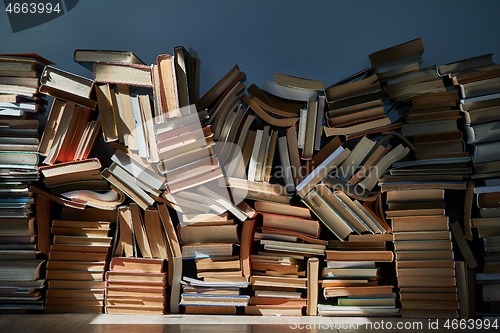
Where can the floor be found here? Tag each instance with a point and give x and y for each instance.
(88, 323)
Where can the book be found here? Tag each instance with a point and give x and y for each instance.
(122, 73)
(87, 57)
(208, 234)
(175, 258)
(342, 255)
(465, 64)
(67, 86)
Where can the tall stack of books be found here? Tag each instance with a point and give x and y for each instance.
(425, 266)
(477, 81)
(22, 262)
(78, 258)
(357, 278)
(136, 281)
(287, 238)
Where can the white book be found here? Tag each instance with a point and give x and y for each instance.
(139, 132)
(262, 154)
(252, 165)
(302, 127)
(350, 264)
(321, 168)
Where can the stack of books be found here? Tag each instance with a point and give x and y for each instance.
(480, 96)
(357, 278)
(280, 294)
(136, 285)
(218, 238)
(78, 258)
(486, 223)
(187, 155)
(397, 60)
(286, 239)
(398, 71)
(136, 281)
(402, 88)
(73, 176)
(341, 214)
(71, 132)
(433, 124)
(425, 266)
(256, 186)
(355, 106)
(213, 297)
(21, 257)
(211, 243)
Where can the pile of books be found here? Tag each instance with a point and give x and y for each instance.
(425, 266)
(21, 102)
(479, 93)
(357, 278)
(219, 296)
(78, 259)
(355, 106)
(225, 204)
(286, 239)
(486, 222)
(136, 285)
(212, 245)
(137, 278)
(433, 124)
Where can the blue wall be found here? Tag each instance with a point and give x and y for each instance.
(318, 39)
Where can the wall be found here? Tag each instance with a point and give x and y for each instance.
(318, 39)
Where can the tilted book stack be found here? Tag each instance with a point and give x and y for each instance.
(356, 107)
(22, 258)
